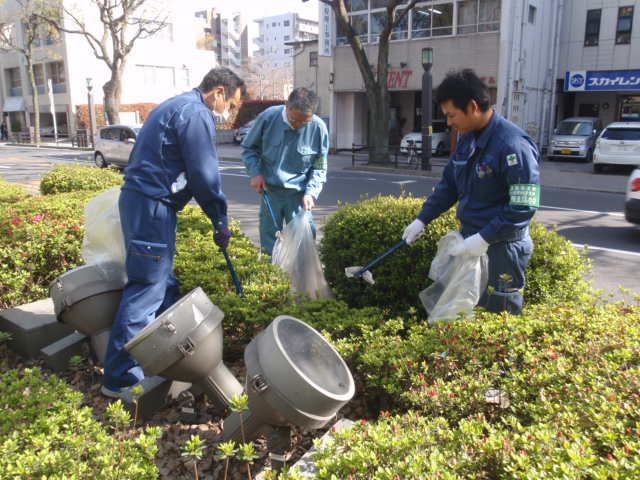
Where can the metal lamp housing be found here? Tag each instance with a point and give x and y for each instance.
(184, 343)
(87, 298)
(294, 376)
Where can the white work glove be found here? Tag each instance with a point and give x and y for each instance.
(473, 246)
(413, 231)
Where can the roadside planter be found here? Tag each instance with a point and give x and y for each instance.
(87, 299)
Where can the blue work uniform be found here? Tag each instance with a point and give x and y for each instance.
(493, 175)
(174, 159)
(293, 163)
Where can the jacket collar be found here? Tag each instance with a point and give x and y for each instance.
(482, 139)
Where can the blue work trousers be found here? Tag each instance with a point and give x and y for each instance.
(507, 264)
(286, 204)
(149, 228)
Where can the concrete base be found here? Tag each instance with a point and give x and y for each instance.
(156, 393)
(306, 466)
(32, 327)
(58, 354)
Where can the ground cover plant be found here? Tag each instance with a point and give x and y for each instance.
(72, 178)
(569, 367)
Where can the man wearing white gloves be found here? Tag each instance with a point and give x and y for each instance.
(493, 175)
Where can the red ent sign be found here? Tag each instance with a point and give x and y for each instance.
(398, 79)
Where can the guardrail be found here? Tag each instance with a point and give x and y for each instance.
(398, 158)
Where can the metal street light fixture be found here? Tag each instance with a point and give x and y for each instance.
(427, 107)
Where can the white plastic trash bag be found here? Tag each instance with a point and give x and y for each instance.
(103, 240)
(295, 252)
(458, 282)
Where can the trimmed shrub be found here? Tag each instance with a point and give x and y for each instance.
(72, 178)
(571, 375)
(40, 239)
(45, 432)
(11, 193)
(358, 233)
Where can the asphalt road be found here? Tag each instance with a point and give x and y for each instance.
(584, 217)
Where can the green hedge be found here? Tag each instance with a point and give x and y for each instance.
(46, 432)
(572, 375)
(358, 233)
(11, 193)
(72, 178)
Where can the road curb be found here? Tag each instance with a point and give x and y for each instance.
(52, 147)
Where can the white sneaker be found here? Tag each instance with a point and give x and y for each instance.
(107, 392)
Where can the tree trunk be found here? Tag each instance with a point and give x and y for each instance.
(34, 96)
(378, 126)
(112, 96)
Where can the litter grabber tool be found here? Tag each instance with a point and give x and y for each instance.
(363, 272)
(278, 243)
(234, 275)
(267, 202)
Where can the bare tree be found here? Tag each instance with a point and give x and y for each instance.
(122, 24)
(264, 80)
(26, 15)
(375, 80)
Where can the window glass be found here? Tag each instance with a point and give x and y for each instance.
(575, 128)
(489, 16)
(468, 16)
(442, 19)
(378, 22)
(592, 29)
(621, 134)
(421, 22)
(356, 5)
(361, 25)
(625, 25)
(401, 30)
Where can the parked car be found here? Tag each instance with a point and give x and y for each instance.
(618, 144)
(241, 132)
(575, 138)
(114, 144)
(440, 141)
(632, 201)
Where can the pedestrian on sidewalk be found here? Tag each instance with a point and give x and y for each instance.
(285, 153)
(4, 133)
(493, 175)
(174, 159)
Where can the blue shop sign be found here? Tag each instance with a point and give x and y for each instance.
(586, 81)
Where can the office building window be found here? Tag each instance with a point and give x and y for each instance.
(624, 26)
(286, 23)
(356, 5)
(378, 23)
(360, 24)
(532, 14)
(14, 85)
(401, 30)
(38, 73)
(313, 59)
(55, 71)
(592, 29)
(287, 51)
(286, 38)
(432, 20)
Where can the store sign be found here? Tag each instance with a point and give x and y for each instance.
(398, 78)
(325, 30)
(583, 80)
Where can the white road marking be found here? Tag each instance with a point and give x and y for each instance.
(617, 214)
(612, 250)
(403, 182)
(244, 175)
(3, 166)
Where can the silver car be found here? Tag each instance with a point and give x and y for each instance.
(114, 144)
(575, 137)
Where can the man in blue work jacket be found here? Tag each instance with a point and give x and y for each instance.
(174, 159)
(493, 175)
(285, 153)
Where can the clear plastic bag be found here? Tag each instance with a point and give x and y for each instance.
(295, 252)
(103, 241)
(458, 282)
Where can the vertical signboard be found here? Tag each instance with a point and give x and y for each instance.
(326, 26)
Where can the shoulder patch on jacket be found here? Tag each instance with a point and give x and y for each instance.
(512, 159)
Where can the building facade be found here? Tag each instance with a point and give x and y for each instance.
(157, 68)
(525, 50)
(274, 34)
(599, 62)
(227, 36)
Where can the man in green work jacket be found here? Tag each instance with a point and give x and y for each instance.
(285, 154)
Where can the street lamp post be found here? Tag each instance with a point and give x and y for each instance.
(427, 107)
(92, 112)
